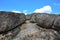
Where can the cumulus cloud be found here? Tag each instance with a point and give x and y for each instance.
(45, 9)
(16, 11)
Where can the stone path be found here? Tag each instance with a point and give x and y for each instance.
(30, 31)
(26, 29)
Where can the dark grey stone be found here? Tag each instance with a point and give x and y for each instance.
(45, 20)
(9, 20)
(11, 34)
(33, 16)
(56, 24)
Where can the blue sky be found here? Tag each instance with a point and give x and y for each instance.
(29, 6)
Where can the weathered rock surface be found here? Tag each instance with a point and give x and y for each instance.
(47, 20)
(28, 17)
(10, 35)
(10, 29)
(33, 17)
(56, 24)
(34, 32)
(9, 20)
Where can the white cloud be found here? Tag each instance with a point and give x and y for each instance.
(25, 12)
(45, 9)
(16, 11)
(56, 4)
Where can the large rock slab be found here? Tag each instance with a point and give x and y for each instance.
(10, 20)
(34, 32)
(48, 20)
(45, 20)
(10, 34)
(56, 24)
(33, 17)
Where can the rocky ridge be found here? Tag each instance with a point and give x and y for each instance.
(37, 26)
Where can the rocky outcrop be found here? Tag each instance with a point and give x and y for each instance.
(32, 18)
(10, 24)
(10, 34)
(34, 32)
(56, 24)
(11, 28)
(28, 17)
(10, 20)
(47, 20)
